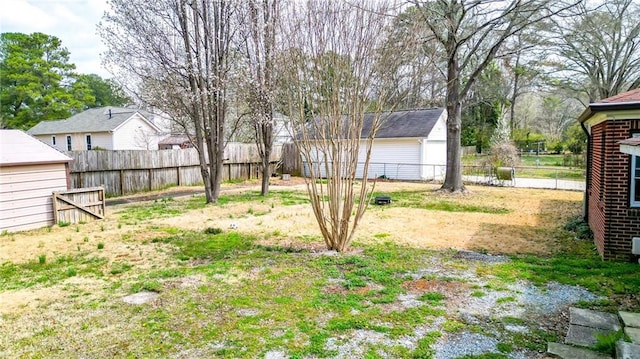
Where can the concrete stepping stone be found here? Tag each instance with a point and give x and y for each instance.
(569, 352)
(626, 350)
(630, 319)
(140, 298)
(594, 319)
(584, 336)
(633, 333)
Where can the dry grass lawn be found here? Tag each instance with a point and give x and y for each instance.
(528, 227)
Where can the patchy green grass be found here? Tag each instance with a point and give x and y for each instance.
(578, 265)
(434, 202)
(168, 207)
(50, 272)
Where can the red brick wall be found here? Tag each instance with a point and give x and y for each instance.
(613, 222)
(596, 187)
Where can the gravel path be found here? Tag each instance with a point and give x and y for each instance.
(537, 308)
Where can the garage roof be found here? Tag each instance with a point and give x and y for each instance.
(404, 123)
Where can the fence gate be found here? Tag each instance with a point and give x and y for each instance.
(79, 205)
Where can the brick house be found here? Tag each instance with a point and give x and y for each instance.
(612, 197)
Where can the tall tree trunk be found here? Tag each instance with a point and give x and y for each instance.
(514, 96)
(265, 154)
(453, 177)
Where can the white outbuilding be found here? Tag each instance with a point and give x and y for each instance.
(30, 171)
(409, 145)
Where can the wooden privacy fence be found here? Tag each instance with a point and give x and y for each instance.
(127, 172)
(78, 205)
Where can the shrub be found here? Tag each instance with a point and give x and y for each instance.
(504, 154)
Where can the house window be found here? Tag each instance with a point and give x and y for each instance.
(53, 140)
(635, 178)
(88, 142)
(68, 143)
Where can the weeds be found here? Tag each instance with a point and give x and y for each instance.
(606, 343)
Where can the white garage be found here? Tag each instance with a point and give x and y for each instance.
(410, 145)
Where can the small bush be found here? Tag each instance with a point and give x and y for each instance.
(100, 245)
(504, 154)
(580, 228)
(42, 259)
(213, 230)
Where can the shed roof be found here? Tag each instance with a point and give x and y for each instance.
(174, 140)
(101, 119)
(414, 123)
(18, 148)
(404, 123)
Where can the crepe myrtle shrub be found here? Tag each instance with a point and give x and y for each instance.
(331, 63)
(504, 154)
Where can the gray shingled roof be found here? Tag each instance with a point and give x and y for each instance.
(404, 123)
(416, 123)
(91, 120)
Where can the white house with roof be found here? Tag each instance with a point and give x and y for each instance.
(30, 171)
(109, 128)
(409, 145)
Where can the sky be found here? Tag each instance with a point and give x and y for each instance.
(72, 21)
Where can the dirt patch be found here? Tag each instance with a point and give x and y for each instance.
(446, 288)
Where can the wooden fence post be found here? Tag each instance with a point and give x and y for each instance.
(122, 182)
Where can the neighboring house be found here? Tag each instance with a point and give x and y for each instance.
(612, 206)
(109, 128)
(175, 142)
(410, 145)
(30, 171)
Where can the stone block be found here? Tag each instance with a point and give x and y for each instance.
(633, 333)
(626, 350)
(630, 319)
(568, 352)
(584, 336)
(594, 319)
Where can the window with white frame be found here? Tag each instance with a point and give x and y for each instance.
(88, 142)
(68, 142)
(53, 140)
(635, 179)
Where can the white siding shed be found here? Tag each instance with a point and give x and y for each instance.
(410, 145)
(30, 171)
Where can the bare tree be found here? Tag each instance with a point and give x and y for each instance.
(472, 34)
(419, 77)
(182, 49)
(332, 61)
(600, 49)
(259, 35)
